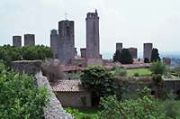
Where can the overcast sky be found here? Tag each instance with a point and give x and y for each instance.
(132, 22)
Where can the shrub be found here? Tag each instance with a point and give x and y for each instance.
(136, 74)
(158, 68)
(144, 107)
(20, 98)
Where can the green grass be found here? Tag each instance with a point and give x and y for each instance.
(140, 71)
(90, 113)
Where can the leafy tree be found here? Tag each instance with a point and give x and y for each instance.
(155, 55)
(99, 80)
(116, 57)
(19, 97)
(125, 57)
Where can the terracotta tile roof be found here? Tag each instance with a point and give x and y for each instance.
(68, 86)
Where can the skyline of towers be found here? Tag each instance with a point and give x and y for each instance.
(92, 35)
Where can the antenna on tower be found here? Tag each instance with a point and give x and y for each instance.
(65, 16)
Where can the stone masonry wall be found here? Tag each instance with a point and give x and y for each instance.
(54, 110)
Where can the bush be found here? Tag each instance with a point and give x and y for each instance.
(158, 68)
(20, 98)
(144, 107)
(136, 74)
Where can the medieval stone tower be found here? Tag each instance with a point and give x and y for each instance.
(147, 50)
(66, 37)
(62, 42)
(92, 36)
(29, 39)
(54, 42)
(17, 42)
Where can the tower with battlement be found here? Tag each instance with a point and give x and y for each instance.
(17, 41)
(92, 35)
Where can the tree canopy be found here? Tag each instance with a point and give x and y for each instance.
(10, 53)
(123, 57)
(155, 55)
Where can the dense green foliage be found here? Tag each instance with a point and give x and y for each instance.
(158, 68)
(99, 80)
(123, 57)
(144, 107)
(10, 53)
(155, 55)
(19, 96)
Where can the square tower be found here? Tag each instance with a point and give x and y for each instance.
(147, 50)
(17, 42)
(54, 42)
(66, 51)
(92, 36)
(29, 39)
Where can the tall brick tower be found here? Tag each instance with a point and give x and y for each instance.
(92, 36)
(66, 41)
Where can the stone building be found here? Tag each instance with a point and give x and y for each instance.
(17, 41)
(92, 36)
(62, 42)
(29, 39)
(147, 51)
(133, 52)
(119, 46)
(72, 94)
